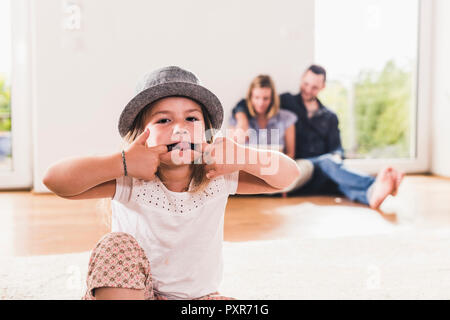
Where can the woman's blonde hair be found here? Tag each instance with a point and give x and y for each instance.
(199, 179)
(263, 81)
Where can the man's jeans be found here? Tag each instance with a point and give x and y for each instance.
(331, 176)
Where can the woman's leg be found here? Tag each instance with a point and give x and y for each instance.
(118, 269)
(306, 168)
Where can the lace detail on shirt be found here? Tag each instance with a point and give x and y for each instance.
(153, 194)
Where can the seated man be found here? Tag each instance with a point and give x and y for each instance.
(318, 140)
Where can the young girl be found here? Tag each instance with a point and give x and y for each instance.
(169, 189)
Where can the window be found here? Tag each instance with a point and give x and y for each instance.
(15, 95)
(370, 50)
(5, 86)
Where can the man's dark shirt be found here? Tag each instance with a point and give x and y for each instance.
(314, 136)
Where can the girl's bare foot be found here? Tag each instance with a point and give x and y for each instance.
(384, 185)
(398, 177)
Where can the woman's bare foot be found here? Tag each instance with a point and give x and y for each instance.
(398, 177)
(384, 185)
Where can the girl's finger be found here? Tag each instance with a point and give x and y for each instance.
(206, 147)
(142, 138)
(159, 149)
(211, 174)
(207, 154)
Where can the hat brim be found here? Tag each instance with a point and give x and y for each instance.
(189, 90)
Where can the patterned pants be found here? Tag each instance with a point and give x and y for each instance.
(118, 261)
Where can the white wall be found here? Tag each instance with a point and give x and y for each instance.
(83, 79)
(440, 124)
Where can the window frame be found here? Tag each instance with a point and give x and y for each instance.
(420, 161)
(20, 177)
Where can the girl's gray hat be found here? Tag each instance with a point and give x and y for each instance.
(167, 82)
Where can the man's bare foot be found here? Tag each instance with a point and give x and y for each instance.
(384, 185)
(398, 178)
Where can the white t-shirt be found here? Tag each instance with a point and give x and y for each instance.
(180, 232)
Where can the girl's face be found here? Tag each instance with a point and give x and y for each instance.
(261, 98)
(176, 120)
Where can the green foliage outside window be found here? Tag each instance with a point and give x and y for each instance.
(374, 112)
(5, 105)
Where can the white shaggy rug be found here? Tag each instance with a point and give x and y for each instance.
(380, 262)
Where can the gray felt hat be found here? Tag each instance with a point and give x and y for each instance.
(166, 82)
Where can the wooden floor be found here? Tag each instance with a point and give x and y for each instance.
(38, 224)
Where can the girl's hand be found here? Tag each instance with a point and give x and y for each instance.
(238, 135)
(221, 157)
(142, 161)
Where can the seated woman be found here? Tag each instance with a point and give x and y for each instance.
(269, 126)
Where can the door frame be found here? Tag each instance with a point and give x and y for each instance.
(421, 136)
(21, 175)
